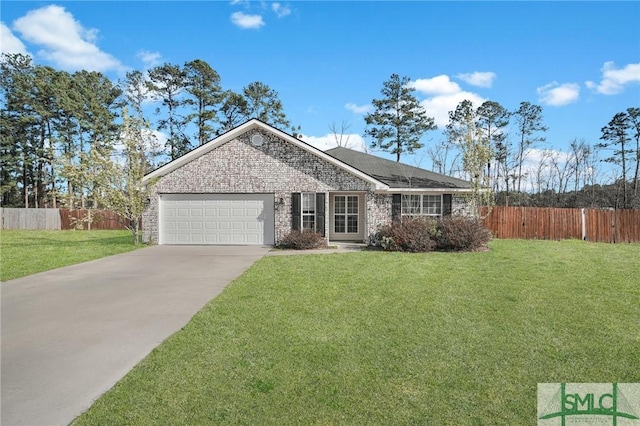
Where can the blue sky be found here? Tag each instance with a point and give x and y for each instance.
(579, 60)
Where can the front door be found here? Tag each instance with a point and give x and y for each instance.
(347, 218)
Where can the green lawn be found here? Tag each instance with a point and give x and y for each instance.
(390, 338)
(28, 252)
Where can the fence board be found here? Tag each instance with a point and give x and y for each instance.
(611, 226)
(100, 219)
(20, 218)
(600, 226)
(14, 218)
(627, 226)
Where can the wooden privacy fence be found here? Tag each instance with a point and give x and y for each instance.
(61, 219)
(547, 223)
(89, 219)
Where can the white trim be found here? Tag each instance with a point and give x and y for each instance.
(421, 214)
(425, 190)
(160, 201)
(302, 211)
(257, 124)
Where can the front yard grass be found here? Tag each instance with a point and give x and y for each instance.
(391, 338)
(26, 252)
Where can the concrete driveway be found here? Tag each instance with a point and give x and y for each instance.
(70, 334)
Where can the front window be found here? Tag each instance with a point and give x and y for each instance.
(309, 211)
(421, 205)
(345, 214)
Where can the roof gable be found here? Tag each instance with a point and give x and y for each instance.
(255, 124)
(397, 175)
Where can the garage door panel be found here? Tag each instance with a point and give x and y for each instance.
(217, 219)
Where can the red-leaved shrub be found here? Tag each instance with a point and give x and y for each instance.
(302, 240)
(412, 235)
(459, 233)
(451, 233)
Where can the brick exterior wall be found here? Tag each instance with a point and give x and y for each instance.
(276, 167)
(459, 206)
(379, 213)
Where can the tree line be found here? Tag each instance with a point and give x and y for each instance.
(81, 140)
(503, 154)
(64, 134)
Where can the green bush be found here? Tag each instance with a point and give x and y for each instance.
(418, 235)
(302, 240)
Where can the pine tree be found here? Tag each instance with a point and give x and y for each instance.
(398, 121)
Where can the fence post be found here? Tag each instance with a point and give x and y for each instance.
(584, 224)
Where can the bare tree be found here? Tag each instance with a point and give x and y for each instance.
(541, 179)
(562, 167)
(340, 135)
(579, 152)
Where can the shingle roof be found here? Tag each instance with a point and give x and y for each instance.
(394, 174)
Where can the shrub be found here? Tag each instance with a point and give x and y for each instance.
(302, 240)
(451, 233)
(383, 238)
(412, 235)
(459, 233)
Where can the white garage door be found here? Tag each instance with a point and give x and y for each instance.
(216, 219)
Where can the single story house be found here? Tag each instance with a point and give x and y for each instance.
(255, 183)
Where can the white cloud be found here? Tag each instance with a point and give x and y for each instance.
(614, 79)
(280, 10)
(328, 141)
(150, 59)
(443, 95)
(64, 41)
(556, 94)
(358, 109)
(439, 85)
(480, 79)
(9, 43)
(245, 21)
(439, 106)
